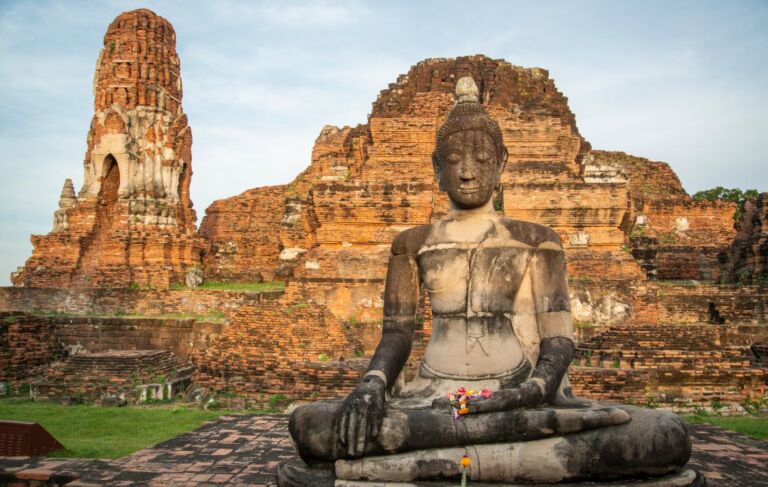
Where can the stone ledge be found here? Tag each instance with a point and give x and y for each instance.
(684, 478)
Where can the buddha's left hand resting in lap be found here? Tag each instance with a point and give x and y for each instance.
(500, 321)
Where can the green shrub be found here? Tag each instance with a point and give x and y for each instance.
(651, 402)
(276, 401)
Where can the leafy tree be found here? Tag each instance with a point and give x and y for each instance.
(727, 194)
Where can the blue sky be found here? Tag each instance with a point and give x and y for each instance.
(679, 81)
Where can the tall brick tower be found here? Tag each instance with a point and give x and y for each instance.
(132, 221)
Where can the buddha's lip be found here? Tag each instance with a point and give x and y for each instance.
(468, 189)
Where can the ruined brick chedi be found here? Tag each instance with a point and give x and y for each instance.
(132, 220)
(332, 226)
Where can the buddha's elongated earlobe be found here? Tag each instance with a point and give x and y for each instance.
(436, 166)
(503, 162)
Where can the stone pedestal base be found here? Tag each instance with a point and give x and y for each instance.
(684, 478)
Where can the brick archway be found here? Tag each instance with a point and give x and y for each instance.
(110, 182)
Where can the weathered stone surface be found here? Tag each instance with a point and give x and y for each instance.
(132, 221)
(678, 382)
(66, 201)
(747, 258)
(194, 277)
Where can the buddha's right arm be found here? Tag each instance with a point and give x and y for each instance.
(360, 416)
(401, 296)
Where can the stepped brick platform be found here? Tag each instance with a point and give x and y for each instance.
(115, 372)
(683, 366)
(246, 450)
(693, 302)
(29, 343)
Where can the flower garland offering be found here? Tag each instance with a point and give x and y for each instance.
(461, 398)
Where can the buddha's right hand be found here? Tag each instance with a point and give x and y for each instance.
(527, 395)
(360, 416)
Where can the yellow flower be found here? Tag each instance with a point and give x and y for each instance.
(465, 461)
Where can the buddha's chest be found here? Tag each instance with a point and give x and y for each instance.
(473, 278)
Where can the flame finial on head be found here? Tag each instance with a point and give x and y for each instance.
(466, 90)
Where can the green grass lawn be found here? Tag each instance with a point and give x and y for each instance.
(754, 426)
(102, 432)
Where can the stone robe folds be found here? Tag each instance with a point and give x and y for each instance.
(493, 299)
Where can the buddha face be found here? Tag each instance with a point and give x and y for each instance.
(469, 168)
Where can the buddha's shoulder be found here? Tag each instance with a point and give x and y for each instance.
(410, 241)
(531, 233)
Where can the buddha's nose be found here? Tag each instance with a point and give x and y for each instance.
(466, 173)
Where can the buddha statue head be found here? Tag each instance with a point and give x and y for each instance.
(469, 155)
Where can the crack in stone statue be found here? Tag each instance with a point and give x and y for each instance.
(501, 320)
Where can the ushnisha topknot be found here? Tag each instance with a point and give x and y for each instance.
(468, 114)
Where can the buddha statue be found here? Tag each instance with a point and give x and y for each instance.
(501, 323)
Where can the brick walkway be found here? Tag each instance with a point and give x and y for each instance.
(245, 450)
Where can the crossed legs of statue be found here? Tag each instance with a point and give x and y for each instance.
(528, 445)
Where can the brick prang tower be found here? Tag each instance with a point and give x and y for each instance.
(132, 222)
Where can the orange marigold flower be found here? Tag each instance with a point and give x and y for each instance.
(463, 410)
(465, 461)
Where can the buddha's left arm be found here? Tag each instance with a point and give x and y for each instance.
(553, 315)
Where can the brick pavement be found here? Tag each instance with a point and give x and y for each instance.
(243, 449)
